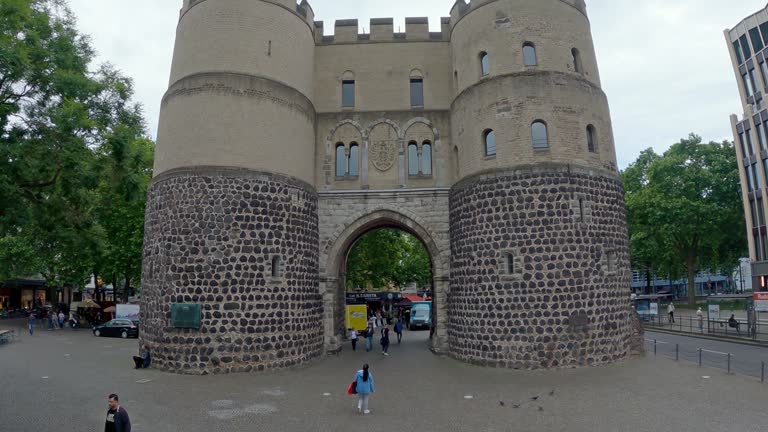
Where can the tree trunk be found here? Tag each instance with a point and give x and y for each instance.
(127, 287)
(690, 262)
(648, 288)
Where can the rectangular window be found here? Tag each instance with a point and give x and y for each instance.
(750, 146)
(756, 173)
(760, 212)
(348, 94)
(761, 136)
(757, 42)
(764, 31)
(748, 85)
(581, 210)
(764, 247)
(750, 178)
(511, 264)
(745, 47)
(739, 53)
(417, 92)
(753, 79)
(764, 70)
(743, 145)
(753, 208)
(765, 167)
(758, 249)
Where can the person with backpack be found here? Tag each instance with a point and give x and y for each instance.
(363, 387)
(385, 340)
(399, 331)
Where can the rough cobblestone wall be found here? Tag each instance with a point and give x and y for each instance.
(566, 304)
(211, 236)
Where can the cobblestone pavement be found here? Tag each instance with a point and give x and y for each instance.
(60, 380)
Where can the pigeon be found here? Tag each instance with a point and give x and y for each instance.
(501, 403)
(515, 406)
(552, 393)
(535, 398)
(541, 409)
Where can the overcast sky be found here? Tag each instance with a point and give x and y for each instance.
(664, 63)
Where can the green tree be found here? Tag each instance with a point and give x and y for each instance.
(388, 257)
(685, 210)
(58, 123)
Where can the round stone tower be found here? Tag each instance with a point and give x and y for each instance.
(539, 253)
(232, 219)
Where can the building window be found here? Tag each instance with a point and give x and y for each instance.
(591, 139)
(348, 93)
(750, 146)
(489, 139)
(581, 210)
(413, 159)
(529, 54)
(753, 208)
(764, 71)
(456, 165)
(743, 145)
(756, 173)
(511, 267)
(750, 179)
(426, 158)
(485, 64)
(539, 135)
(745, 47)
(341, 160)
(757, 42)
(747, 85)
(760, 128)
(417, 92)
(764, 31)
(739, 53)
(577, 66)
(765, 168)
(277, 271)
(760, 213)
(354, 160)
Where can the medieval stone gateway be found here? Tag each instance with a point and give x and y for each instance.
(279, 146)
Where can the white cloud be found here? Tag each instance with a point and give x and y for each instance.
(664, 63)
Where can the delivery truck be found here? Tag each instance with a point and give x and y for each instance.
(421, 316)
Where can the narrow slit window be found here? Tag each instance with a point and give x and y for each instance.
(341, 160)
(417, 92)
(511, 268)
(485, 64)
(581, 210)
(577, 66)
(489, 138)
(529, 54)
(354, 160)
(591, 139)
(276, 270)
(539, 135)
(413, 159)
(348, 94)
(426, 158)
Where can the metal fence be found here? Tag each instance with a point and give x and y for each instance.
(756, 330)
(729, 362)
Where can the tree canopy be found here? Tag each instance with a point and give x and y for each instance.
(74, 158)
(388, 257)
(684, 209)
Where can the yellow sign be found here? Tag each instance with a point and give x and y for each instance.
(357, 317)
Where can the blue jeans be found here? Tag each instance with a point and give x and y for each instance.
(368, 343)
(31, 329)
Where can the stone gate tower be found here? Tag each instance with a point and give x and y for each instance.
(279, 146)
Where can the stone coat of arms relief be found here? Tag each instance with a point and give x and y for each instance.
(382, 154)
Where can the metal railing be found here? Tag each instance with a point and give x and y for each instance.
(732, 364)
(756, 331)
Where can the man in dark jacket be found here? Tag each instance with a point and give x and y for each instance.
(117, 417)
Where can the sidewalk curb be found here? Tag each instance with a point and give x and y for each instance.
(707, 337)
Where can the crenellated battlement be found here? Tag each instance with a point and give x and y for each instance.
(382, 30)
(461, 8)
(302, 9)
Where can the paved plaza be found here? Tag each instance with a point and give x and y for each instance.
(62, 378)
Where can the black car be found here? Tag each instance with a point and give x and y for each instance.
(117, 328)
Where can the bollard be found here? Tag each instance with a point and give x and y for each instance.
(654, 347)
(677, 352)
(762, 372)
(729, 363)
(699, 357)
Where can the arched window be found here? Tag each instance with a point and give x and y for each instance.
(529, 54)
(341, 160)
(348, 90)
(426, 158)
(417, 88)
(485, 64)
(577, 66)
(413, 159)
(489, 138)
(539, 135)
(354, 160)
(591, 139)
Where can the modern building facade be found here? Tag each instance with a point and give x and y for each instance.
(748, 46)
(489, 140)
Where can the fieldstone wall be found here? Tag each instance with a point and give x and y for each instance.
(565, 302)
(211, 236)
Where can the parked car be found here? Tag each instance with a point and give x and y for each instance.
(117, 328)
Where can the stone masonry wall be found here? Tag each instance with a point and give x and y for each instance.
(566, 301)
(211, 236)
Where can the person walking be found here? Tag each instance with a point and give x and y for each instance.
(117, 416)
(700, 316)
(364, 387)
(369, 332)
(385, 340)
(353, 338)
(61, 319)
(31, 321)
(399, 331)
(671, 312)
(50, 321)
